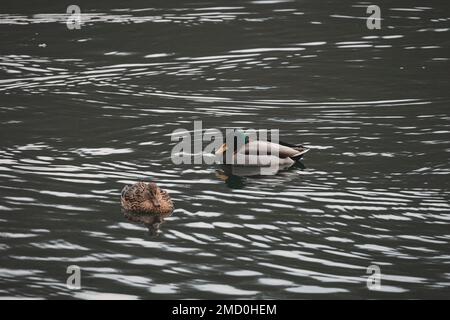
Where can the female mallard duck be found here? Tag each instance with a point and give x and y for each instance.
(146, 198)
(258, 153)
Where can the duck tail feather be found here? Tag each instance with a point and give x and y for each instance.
(299, 155)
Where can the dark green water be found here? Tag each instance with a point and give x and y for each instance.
(84, 112)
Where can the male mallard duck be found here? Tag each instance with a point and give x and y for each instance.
(146, 198)
(260, 153)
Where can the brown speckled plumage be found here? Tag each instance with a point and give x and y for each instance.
(146, 198)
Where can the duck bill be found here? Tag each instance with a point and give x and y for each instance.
(222, 149)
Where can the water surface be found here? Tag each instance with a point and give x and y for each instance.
(84, 112)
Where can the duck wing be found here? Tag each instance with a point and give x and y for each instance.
(135, 193)
(166, 208)
(267, 147)
(133, 197)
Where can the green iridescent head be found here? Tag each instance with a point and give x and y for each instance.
(241, 136)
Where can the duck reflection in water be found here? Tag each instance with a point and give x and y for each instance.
(147, 204)
(152, 221)
(235, 177)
